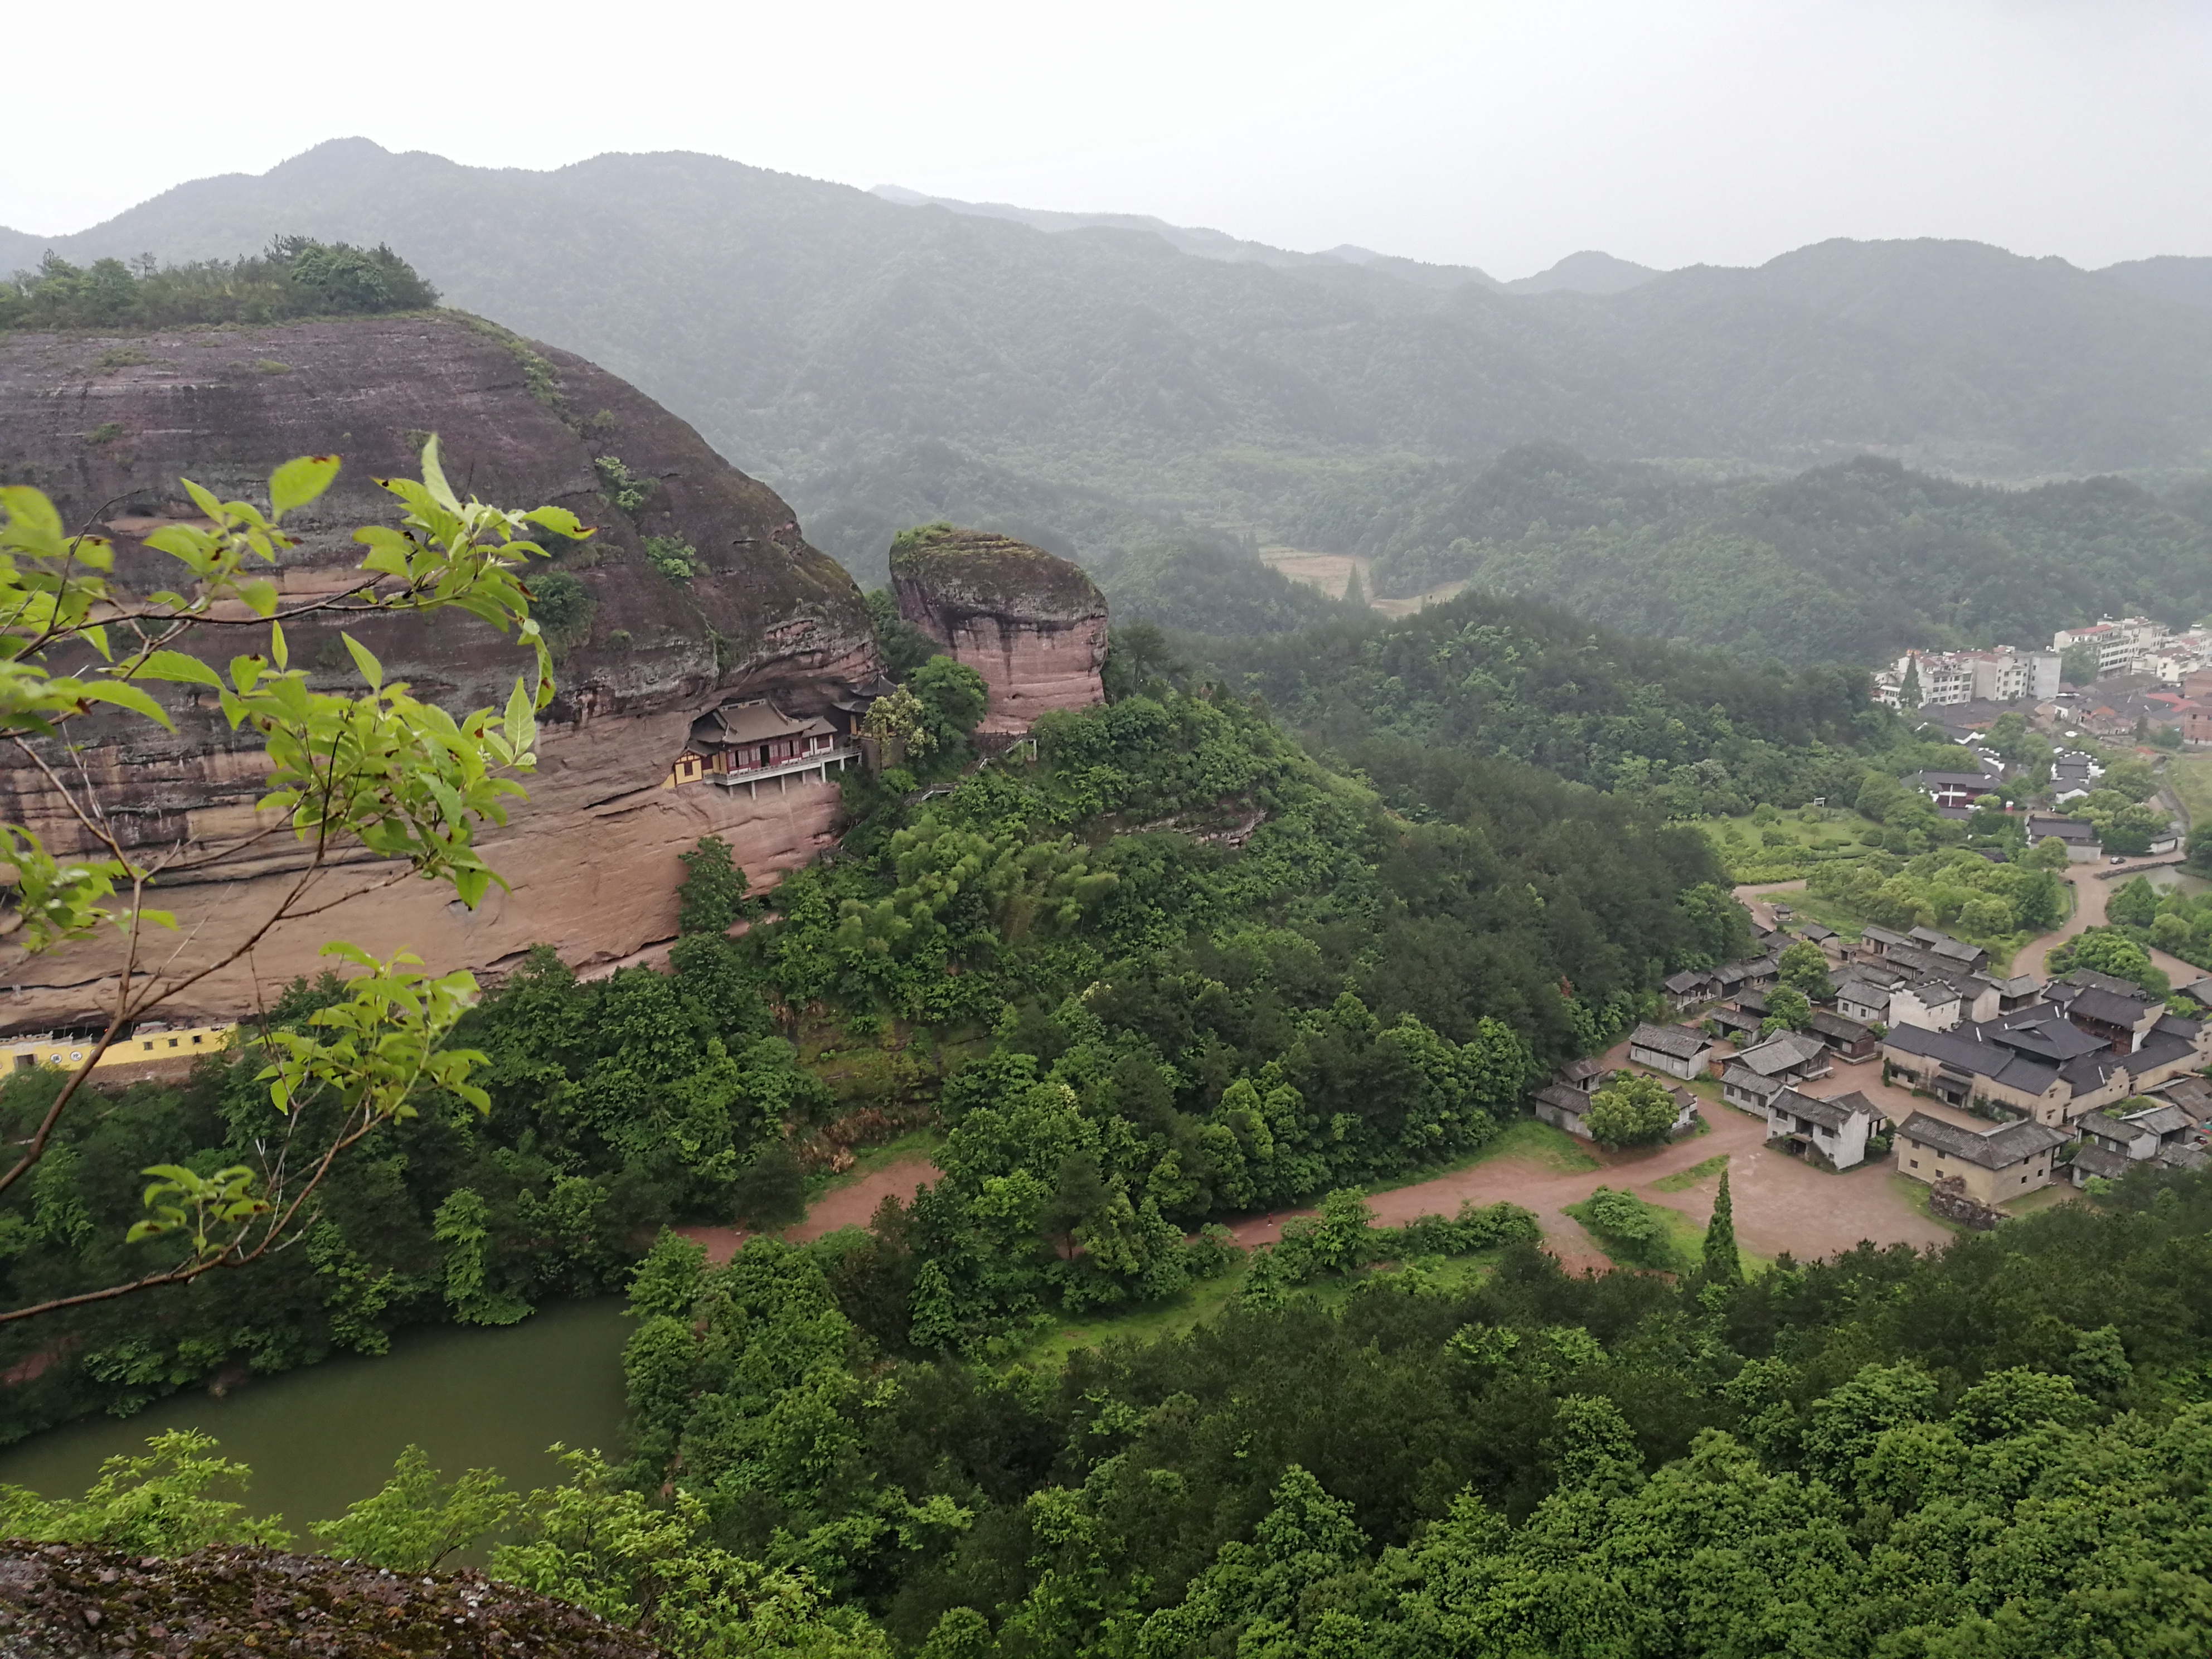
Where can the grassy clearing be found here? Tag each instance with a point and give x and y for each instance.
(1202, 1303)
(1192, 1307)
(2191, 776)
(1670, 1245)
(1682, 1180)
(1914, 1194)
(1524, 1138)
(2043, 1198)
(1796, 847)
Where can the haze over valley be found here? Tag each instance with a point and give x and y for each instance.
(1228, 832)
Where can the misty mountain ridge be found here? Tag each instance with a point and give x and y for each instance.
(1102, 390)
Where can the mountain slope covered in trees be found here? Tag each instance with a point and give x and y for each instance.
(1854, 561)
(885, 365)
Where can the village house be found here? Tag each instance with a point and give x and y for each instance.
(2040, 1062)
(1862, 994)
(2159, 1133)
(1741, 1086)
(1760, 973)
(1831, 1134)
(1792, 1056)
(1691, 988)
(2191, 1093)
(1847, 1039)
(1674, 1049)
(1937, 1002)
(1956, 788)
(2079, 838)
(1737, 1025)
(1564, 1102)
(2113, 1010)
(2001, 1163)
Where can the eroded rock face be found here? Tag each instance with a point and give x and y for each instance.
(1032, 624)
(59, 1600)
(107, 425)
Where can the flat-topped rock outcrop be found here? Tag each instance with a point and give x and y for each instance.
(1033, 624)
(107, 425)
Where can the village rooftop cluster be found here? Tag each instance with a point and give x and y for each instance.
(1987, 1087)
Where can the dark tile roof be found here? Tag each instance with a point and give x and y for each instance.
(2108, 1009)
(1742, 1076)
(1576, 1071)
(2092, 1159)
(1566, 1099)
(1999, 1148)
(1785, 1051)
(1828, 1113)
(1689, 980)
(1962, 1050)
(1829, 1024)
(1675, 1041)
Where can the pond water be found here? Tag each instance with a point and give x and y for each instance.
(2170, 878)
(319, 1438)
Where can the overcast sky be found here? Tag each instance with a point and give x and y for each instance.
(1501, 135)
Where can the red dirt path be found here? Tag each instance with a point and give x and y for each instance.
(842, 1207)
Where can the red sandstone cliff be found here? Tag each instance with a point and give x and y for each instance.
(1032, 624)
(107, 425)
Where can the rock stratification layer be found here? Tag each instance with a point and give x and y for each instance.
(107, 425)
(1032, 624)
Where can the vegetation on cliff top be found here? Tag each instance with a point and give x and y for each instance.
(294, 277)
(985, 571)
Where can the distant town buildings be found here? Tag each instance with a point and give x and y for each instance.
(2000, 674)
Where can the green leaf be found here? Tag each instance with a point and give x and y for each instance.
(561, 521)
(176, 665)
(297, 482)
(260, 596)
(31, 510)
(433, 477)
(277, 647)
(129, 697)
(371, 670)
(203, 499)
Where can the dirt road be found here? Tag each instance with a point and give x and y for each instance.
(849, 1206)
(1780, 1203)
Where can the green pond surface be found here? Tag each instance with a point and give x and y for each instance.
(2169, 878)
(319, 1438)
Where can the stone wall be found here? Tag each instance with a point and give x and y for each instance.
(1949, 1200)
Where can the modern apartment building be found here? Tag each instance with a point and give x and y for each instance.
(2001, 674)
(2120, 645)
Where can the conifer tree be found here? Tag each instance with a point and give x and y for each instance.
(1722, 1265)
(1355, 591)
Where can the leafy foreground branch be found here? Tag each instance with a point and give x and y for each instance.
(377, 771)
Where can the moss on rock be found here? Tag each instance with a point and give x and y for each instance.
(974, 572)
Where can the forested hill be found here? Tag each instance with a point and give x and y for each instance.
(885, 365)
(1488, 675)
(1853, 562)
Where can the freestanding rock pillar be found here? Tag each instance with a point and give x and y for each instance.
(1031, 624)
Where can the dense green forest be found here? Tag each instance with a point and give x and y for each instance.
(1995, 1452)
(296, 276)
(1172, 969)
(883, 366)
(1848, 563)
(1143, 1028)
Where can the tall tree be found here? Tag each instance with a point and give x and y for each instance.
(1722, 1265)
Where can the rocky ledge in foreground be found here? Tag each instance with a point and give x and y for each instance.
(58, 1601)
